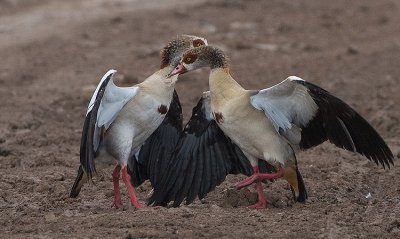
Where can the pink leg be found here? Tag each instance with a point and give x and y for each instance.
(117, 193)
(257, 176)
(130, 189)
(262, 202)
(256, 170)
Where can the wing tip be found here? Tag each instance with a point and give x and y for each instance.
(108, 74)
(387, 159)
(111, 71)
(294, 78)
(81, 178)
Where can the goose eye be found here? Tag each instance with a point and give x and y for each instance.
(189, 58)
(198, 43)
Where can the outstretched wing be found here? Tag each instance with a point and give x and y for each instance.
(201, 161)
(104, 106)
(308, 115)
(155, 153)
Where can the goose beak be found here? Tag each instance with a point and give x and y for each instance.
(179, 69)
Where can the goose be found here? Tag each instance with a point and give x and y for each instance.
(267, 125)
(124, 124)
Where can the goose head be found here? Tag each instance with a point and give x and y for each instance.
(172, 52)
(204, 56)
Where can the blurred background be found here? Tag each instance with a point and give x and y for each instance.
(53, 54)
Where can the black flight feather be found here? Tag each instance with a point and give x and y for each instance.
(158, 148)
(87, 150)
(202, 159)
(343, 126)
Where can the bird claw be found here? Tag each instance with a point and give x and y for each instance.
(258, 205)
(138, 205)
(117, 205)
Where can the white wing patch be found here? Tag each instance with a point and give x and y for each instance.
(285, 104)
(113, 100)
(93, 99)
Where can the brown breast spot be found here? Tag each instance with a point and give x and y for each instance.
(218, 117)
(163, 109)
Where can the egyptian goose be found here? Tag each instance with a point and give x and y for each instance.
(267, 125)
(125, 123)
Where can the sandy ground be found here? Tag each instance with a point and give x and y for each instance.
(53, 54)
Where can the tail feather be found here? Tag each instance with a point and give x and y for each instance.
(302, 195)
(81, 178)
(294, 178)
